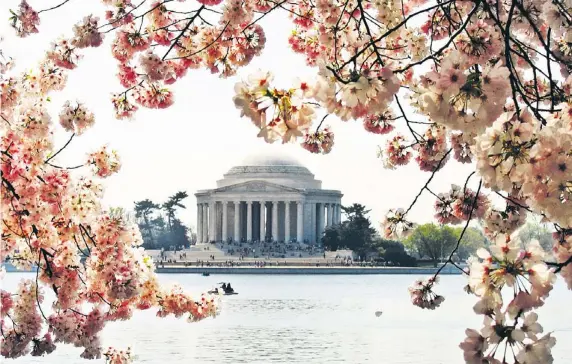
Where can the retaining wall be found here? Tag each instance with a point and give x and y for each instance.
(306, 270)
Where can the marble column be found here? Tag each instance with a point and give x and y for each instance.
(212, 223)
(313, 222)
(275, 220)
(249, 221)
(300, 221)
(205, 230)
(330, 214)
(320, 223)
(236, 220)
(262, 221)
(336, 209)
(224, 221)
(205, 222)
(287, 221)
(335, 215)
(339, 214)
(199, 223)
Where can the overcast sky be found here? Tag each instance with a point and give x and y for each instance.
(190, 145)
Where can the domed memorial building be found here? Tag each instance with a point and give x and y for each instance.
(267, 197)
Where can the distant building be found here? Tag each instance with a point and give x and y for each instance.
(267, 197)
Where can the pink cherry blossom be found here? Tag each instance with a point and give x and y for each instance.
(25, 20)
(76, 118)
(471, 83)
(87, 34)
(379, 123)
(105, 164)
(423, 296)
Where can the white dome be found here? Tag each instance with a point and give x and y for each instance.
(271, 166)
(266, 159)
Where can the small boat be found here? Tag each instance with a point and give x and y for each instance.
(206, 274)
(216, 291)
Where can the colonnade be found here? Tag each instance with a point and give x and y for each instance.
(278, 220)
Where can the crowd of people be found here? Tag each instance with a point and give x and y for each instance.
(256, 254)
(269, 249)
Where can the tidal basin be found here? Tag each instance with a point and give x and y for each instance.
(312, 319)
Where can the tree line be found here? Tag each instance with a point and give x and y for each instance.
(429, 242)
(159, 224)
(357, 234)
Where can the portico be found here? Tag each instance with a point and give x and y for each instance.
(267, 198)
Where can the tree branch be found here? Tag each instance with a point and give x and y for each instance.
(55, 7)
(183, 31)
(62, 148)
(473, 207)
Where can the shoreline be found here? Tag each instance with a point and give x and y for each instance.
(305, 270)
(290, 270)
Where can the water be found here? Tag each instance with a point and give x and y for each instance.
(313, 319)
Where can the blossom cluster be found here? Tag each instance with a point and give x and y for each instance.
(461, 98)
(76, 117)
(516, 151)
(114, 356)
(489, 85)
(513, 325)
(221, 48)
(279, 114)
(104, 163)
(563, 254)
(53, 220)
(422, 294)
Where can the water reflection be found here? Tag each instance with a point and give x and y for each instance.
(313, 320)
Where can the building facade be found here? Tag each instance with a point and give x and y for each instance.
(271, 198)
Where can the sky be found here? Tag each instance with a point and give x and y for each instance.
(190, 145)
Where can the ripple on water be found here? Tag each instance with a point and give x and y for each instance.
(312, 320)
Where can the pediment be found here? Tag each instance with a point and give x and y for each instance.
(256, 186)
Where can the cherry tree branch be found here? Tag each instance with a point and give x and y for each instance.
(473, 208)
(37, 289)
(206, 46)
(277, 4)
(425, 187)
(55, 7)
(391, 30)
(560, 266)
(176, 40)
(62, 148)
(321, 121)
(60, 167)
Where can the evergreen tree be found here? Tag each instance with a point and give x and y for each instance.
(355, 233)
(143, 210)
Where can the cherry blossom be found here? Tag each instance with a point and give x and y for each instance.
(423, 296)
(397, 152)
(488, 85)
(104, 163)
(432, 150)
(25, 20)
(319, 142)
(87, 33)
(379, 123)
(114, 356)
(54, 222)
(525, 272)
(395, 224)
(76, 118)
